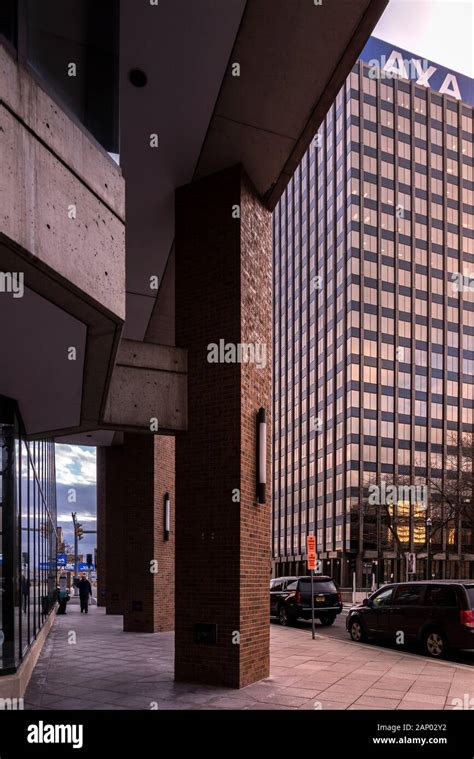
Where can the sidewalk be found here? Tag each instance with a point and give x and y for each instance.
(109, 669)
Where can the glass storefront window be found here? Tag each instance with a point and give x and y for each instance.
(27, 536)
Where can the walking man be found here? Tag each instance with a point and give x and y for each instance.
(85, 591)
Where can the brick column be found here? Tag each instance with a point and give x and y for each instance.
(223, 291)
(110, 473)
(164, 580)
(132, 481)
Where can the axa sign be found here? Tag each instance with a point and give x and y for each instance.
(417, 69)
(387, 62)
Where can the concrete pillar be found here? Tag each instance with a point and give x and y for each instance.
(223, 292)
(135, 557)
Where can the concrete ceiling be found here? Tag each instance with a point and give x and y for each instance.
(183, 46)
(293, 55)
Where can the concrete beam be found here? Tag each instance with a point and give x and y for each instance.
(61, 227)
(148, 382)
(39, 197)
(65, 137)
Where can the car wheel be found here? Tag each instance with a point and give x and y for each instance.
(436, 644)
(328, 620)
(357, 632)
(283, 617)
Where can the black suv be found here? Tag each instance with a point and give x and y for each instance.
(438, 614)
(290, 599)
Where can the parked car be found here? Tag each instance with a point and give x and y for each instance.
(438, 614)
(290, 599)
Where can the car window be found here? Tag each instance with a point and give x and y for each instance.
(320, 586)
(292, 585)
(383, 598)
(470, 593)
(408, 595)
(440, 595)
(276, 585)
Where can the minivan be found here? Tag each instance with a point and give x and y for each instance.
(438, 614)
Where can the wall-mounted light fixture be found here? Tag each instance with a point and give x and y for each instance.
(167, 516)
(261, 455)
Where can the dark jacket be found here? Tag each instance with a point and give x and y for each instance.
(85, 588)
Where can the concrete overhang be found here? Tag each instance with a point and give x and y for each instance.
(293, 55)
(293, 58)
(148, 391)
(62, 231)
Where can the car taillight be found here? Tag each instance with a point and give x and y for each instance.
(339, 597)
(298, 598)
(467, 618)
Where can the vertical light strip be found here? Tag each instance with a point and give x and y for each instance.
(261, 456)
(167, 516)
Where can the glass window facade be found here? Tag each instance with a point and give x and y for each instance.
(28, 540)
(373, 342)
(72, 48)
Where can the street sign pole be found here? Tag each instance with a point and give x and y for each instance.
(74, 515)
(311, 562)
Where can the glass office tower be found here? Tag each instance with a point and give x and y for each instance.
(373, 339)
(27, 536)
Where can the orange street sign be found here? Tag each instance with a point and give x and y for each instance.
(311, 551)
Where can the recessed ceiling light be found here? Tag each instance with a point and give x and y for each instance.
(137, 77)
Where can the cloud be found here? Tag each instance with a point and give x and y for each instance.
(81, 517)
(75, 465)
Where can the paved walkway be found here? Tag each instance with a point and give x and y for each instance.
(88, 662)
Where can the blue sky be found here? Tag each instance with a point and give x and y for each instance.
(76, 469)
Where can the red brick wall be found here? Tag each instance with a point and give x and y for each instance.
(132, 480)
(223, 290)
(256, 391)
(164, 581)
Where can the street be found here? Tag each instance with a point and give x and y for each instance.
(338, 631)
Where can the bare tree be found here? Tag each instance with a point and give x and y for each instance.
(450, 504)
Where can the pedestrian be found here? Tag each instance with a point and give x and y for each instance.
(85, 591)
(25, 591)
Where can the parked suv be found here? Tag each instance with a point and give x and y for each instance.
(438, 614)
(290, 599)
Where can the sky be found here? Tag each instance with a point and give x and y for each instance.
(438, 30)
(76, 470)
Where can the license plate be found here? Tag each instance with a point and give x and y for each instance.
(320, 599)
